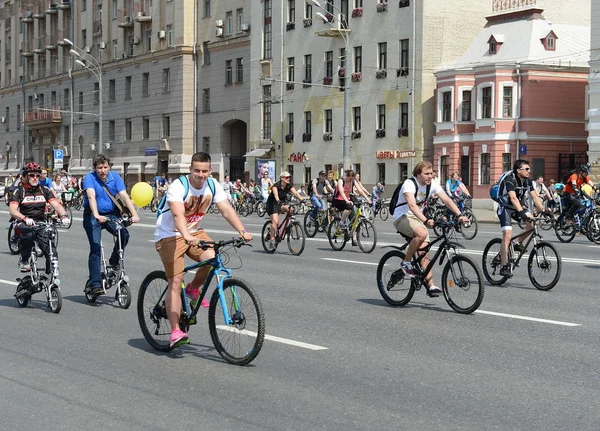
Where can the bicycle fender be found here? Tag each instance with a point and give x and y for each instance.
(399, 248)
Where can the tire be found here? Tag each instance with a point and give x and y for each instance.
(55, 300)
(78, 203)
(24, 284)
(295, 239)
(593, 228)
(391, 279)
(261, 209)
(462, 284)
(241, 341)
(13, 240)
(366, 235)
(384, 213)
(70, 216)
(549, 259)
(244, 210)
(311, 225)
(266, 236)
(124, 299)
(564, 233)
(469, 231)
(336, 236)
(152, 314)
(491, 264)
(90, 298)
(548, 222)
(367, 212)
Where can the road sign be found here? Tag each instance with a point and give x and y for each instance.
(523, 149)
(58, 159)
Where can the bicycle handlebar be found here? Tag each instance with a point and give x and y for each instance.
(236, 242)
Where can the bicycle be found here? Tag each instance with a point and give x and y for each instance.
(462, 290)
(543, 258)
(14, 245)
(112, 277)
(243, 324)
(585, 220)
(289, 228)
(38, 281)
(66, 199)
(313, 225)
(366, 235)
(467, 230)
(381, 209)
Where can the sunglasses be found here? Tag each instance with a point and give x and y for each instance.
(526, 169)
(34, 175)
(286, 177)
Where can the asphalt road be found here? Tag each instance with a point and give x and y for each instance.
(527, 360)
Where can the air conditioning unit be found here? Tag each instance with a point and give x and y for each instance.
(88, 49)
(136, 40)
(161, 34)
(3, 120)
(219, 23)
(245, 27)
(219, 32)
(102, 45)
(139, 14)
(127, 19)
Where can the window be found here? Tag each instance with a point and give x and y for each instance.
(111, 130)
(342, 57)
(266, 111)
(404, 60)
(485, 168)
(148, 40)
(550, 43)
(228, 72)
(358, 59)
(53, 98)
(83, 4)
(291, 10)
(328, 121)
(96, 132)
(493, 47)
(145, 128)
(486, 103)
(382, 55)
(131, 43)
(111, 90)
(308, 68)
(381, 116)
(205, 54)
(145, 84)
(166, 125)
(96, 93)
(18, 117)
(308, 122)
(507, 97)
(290, 123)
(465, 170)
(290, 69)
(166, 80)
(358, 3)
(290, 169)
(115, 49)
(506, 162)
(239, 18)
(229, 23)
(7, 119)
(169, 34)
(206, 100)
(329, 63)
(307, 175)
(67, 98)
(308, 10)
(447, 106)
(404, 116)
(381, 173)
(329, 6)
(466, 106)
(239, 70)
(444, 168)
(115, 9)
(356, 119)
(538, 167)
(128, 129)
(206, 144)
(206, 8)
(403, 172)
(81, 105)
(267, 30)
(127, 87)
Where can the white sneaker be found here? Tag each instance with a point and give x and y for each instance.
(434, 291)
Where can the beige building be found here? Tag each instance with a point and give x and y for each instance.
(594, 91)
(155, 59)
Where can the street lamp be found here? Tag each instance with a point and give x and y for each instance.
(343, 31)
(95, 67)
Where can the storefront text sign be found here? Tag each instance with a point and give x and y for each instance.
(395, 154)
(297, 157)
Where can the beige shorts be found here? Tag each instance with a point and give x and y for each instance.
(172, 252)
(407, 225)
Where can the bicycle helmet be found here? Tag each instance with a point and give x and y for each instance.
(32, 167)
(585, 168)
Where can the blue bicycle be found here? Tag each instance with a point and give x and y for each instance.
(586, 221)
(237, 332)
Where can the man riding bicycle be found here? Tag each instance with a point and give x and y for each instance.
(513, 191)
(376, 193)
(178, 231)
(572, 190)
(28, 204)
(410, 221)
(316, 191)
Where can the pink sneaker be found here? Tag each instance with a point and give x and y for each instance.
(178, 338)
(205, 303)
(193, 294)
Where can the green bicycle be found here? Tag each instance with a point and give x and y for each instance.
(366, 236)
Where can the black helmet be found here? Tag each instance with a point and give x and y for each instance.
(322, 173)
(585, 168)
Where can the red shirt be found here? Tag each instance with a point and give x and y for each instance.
(575, 178)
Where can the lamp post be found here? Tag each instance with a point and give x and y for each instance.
(96, 68)
(343, 30)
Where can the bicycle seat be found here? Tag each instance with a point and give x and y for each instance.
(406, 237)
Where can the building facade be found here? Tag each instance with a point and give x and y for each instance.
(519, 91)
(594, 91)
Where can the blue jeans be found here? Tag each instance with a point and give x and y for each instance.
(93, 229)
(318, 204)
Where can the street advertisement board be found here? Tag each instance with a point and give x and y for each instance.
(263, 166)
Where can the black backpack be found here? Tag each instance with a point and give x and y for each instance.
(394, 201)
(568, 175)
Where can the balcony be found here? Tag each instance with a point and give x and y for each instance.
(43, 117)
(97, 28)
(51, 7)
(125, 20)
(64, 4)
(27, 48)
(51, 42)
(26, 15)
(38, 10)
(62, 35)
(143, 12)
(40, 45)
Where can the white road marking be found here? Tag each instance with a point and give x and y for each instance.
(532, 319)
(276, 339)
(12, 283)
(349, 261)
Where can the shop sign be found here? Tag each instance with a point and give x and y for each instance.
(297, 157)
(150, 151)
(395, 154)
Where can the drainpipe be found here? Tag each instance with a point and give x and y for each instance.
(72, 101)
(22, 161)
(195, 60)
(518, 116)
(412, 84)
(283, 78)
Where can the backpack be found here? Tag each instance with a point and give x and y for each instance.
(394, 201)
(495, 189)
(164, 207)
(568, 175)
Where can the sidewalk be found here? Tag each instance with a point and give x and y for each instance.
(485, 210)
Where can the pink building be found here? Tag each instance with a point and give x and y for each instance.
(519, 91)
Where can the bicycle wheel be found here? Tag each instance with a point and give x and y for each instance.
(491, 263)
(336, 236)
(469, 230)
(261, 209)
(269, 245)
(70, 216)
(78, 203)
(366, 235)
(394, 287)
(55, 299)
(311, 225)
(124, 297)
(240, 341)
(367, 212)
(547, 222)
(91, 298)
(544, 266)
(13, 240)
(295, 238)
(462, 284)
(152, 312)
(565, 232)
(384, 213)
(243, 210)
(154, 205)
(23, 293)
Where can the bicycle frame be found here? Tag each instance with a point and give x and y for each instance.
(121, 275)
(35, 279)
(534, 238)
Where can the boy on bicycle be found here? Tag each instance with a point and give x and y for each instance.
(178, 231)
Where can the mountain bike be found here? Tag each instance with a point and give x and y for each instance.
(544, 264)
(469, 229)
(462, 282)
(381, 209)
(366, 235)
(313, 224)
(585, 221)
(288, 228)
(38, 281)
(237, 332)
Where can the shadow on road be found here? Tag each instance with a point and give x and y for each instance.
(108, 300)
(382, 303)
(37, 303)
(198, 350)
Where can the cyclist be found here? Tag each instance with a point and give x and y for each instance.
(28, 204)
(44, 180)
(572, 187)
(514, 190)
(410, 221)
(178, 232)
(100, 212)
(359, 189)
(227, 187)
(316, 192)
(265, 185)
(376, 193)
(160, 184)
(455, 187)
(341, 197)
(280, 192)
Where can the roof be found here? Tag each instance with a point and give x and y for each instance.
(521, 42)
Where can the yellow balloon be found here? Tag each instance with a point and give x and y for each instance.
(142, 194)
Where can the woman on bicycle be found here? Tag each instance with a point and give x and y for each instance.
(280, 192)
(58, 187)
(455, 187)
(341, 196)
